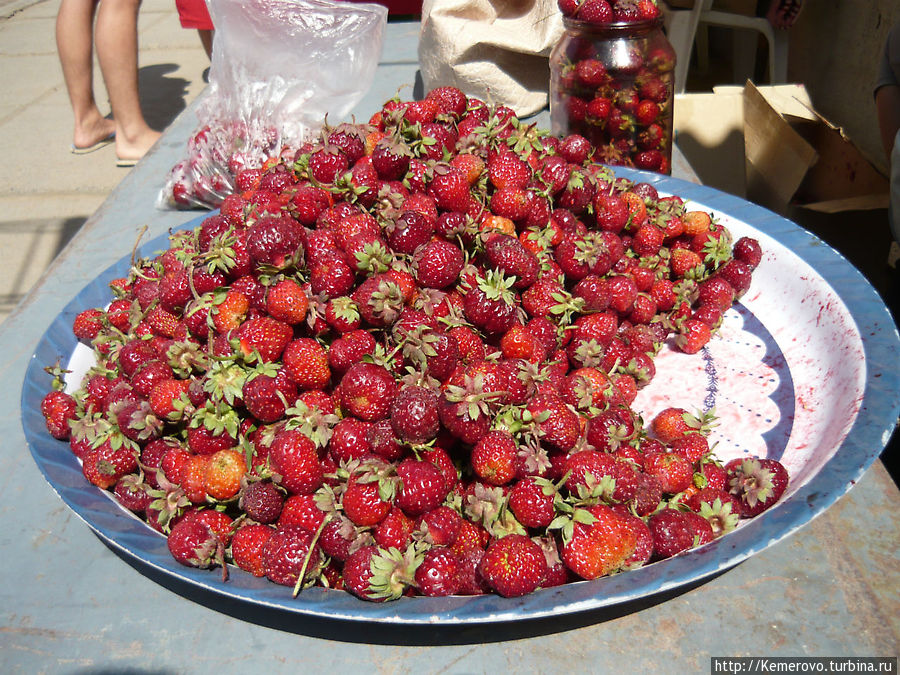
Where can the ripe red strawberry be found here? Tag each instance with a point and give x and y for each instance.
(267, 397)
(757, 483)
(275, 242)
(414, 415)
(350, 348)
(408, 231)
(494, 457)
(507, 170)
(693, 335)
(513, 566)
(296, 460)
(738, 274)
(422, 487)
(748, 251)
(720, 508)
(491, 304)
(287, 551)
(439, 573)
(509, 256)
(193, 543)
(306, 363)
(532, 501)
(169, 397)
(674, 472)
(600, 546)
(450, 102)
(58, 408)
(559, 426)
(264, 335)
(437, 264)
(363, 504)
(261, 501)
(377, 574)
(301, 510)
(327, 163)
(105, 465)
(87, 324)
(247, 548)
(673, 423)
(367, 391)
(395, 530)
(675, 531)
(350, 440)
(287, 302)
(449, 188)
(691, 446)
(380, 300)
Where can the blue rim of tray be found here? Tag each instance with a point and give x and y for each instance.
(866, 439)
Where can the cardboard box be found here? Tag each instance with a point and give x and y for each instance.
(709, 131)
(794, 156)
(768, 145)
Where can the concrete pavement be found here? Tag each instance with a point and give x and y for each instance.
(46, 192)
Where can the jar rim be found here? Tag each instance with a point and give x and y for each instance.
(571, 22)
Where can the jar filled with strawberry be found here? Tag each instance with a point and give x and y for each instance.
(612, 81)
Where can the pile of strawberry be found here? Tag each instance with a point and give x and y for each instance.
(615, 88)
(603, 12)
(404, 361)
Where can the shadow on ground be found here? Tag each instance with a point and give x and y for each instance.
(162, 97)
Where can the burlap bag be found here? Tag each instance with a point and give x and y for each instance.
(497, 51)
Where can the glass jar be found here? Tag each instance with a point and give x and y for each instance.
(613, 84)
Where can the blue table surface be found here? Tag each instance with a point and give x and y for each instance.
(70, 604)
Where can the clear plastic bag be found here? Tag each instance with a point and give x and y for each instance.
(278, 66)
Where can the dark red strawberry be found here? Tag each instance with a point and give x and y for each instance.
(757, 483)
(289, 553)
(439, 573)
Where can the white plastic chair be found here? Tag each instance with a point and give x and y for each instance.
(683, 29)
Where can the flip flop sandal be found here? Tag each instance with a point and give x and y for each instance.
(93, 148)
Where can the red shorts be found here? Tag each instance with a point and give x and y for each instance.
(193, 14)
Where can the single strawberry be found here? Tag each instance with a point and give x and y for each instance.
(437, 264)
(296, 460)
(247, 548)
(224, 471)
(306, 364)
(674, 472)
(291, 557)
(414, 415)
(494, 458)
(275, 243)
(193, 543)
(532, 502)
(422, 487)
(367, 391)
(287, 302)
(376, 574)
(439, 573)
(262, 501)
(757, 483)
(513, 566)
(600, 542)
(87, 324)
(692, 336)
(675, 531)
(58, 409)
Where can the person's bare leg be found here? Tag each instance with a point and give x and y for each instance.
(206, 39)
(74, 42)
(117, 50)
